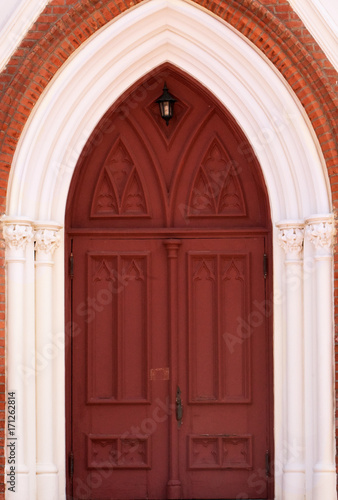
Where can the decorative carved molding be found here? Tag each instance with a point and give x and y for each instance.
(291, 238)
(119, 190)
(204, 270)
(217, 453)
(217, 189)
(16, 236)
(47, 240)
(321, 233)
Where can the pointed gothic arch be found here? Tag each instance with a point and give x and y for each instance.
(296, 179)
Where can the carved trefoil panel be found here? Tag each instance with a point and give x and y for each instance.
(217, 189)
(220, 451)
(219, 331)
(106, 451)
(203, 331)
(119, 191)
(236, 330)
(117, 327)
(101, 310)
(133, 326)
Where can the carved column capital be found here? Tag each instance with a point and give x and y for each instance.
(291, 238)
(16, 234)
(320, 231)
(47, 240)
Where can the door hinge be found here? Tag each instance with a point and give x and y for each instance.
(267, 463)
(71, 265)
(265, 265)
(71, 464)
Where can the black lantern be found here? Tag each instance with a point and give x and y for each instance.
(166, 102)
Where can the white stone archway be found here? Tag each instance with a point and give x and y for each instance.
(274, 122)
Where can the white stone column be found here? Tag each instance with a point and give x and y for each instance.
(17, 233)
(291, 237)
(320, 231)
(47, 240)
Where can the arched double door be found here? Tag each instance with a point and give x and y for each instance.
(169, 368)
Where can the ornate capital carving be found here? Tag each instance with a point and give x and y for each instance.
(291, 238)
(47, 240)
(16, 236)
(321, 233)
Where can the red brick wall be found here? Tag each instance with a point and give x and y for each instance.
(65, 24)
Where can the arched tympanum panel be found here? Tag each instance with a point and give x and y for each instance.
(199, 170)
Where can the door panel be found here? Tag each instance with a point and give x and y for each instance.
(120, 377)
(119, 283)
(218, 295)
(222, 368)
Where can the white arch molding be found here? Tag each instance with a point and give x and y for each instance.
(98, 73)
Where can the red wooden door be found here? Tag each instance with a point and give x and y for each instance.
(222, 368)
(168, 228)
(120, 398)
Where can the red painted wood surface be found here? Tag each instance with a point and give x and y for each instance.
(222, 368)
(169, 226)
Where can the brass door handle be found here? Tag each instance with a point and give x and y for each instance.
(179, 407)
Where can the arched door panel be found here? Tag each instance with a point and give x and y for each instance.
(170, 368)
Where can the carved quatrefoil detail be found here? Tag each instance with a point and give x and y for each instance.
(217, 188)
(119, 190)
(221, 452)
